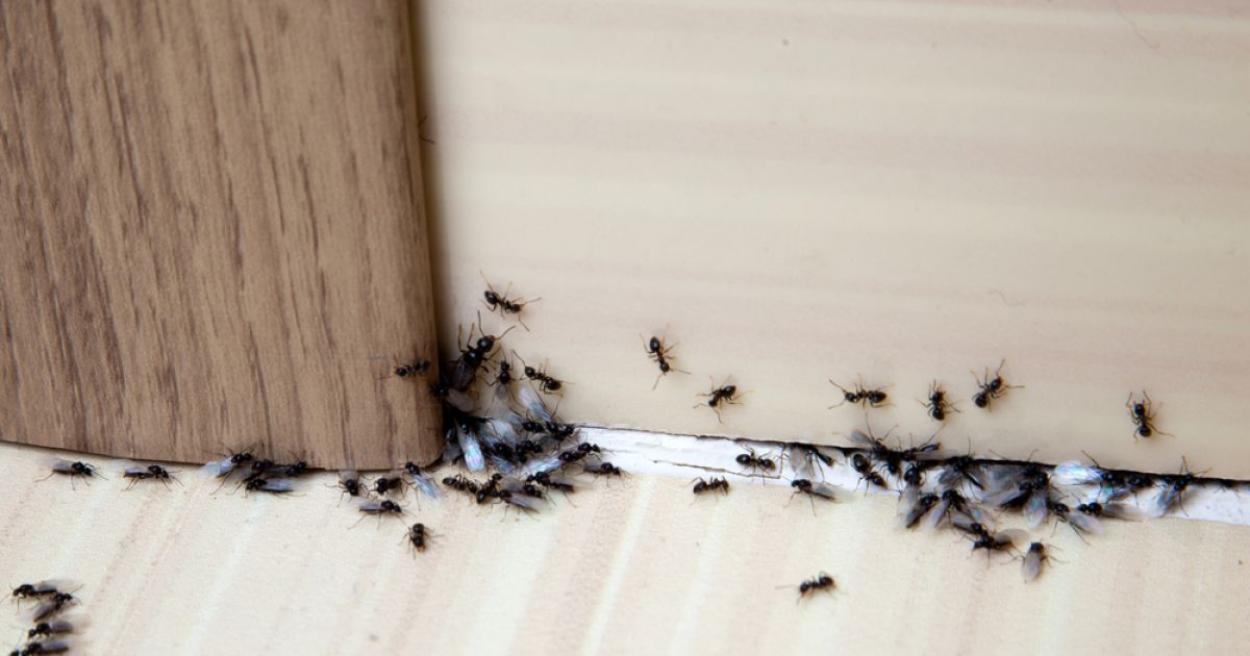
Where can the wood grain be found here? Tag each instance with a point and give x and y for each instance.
(633, 568)
(212, 230)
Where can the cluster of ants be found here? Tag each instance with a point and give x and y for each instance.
(964, 494)
(500, 426)
(49, 630)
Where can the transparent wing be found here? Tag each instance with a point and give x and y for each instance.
(1074, 472)
(533, 404)
(1035, 509)
(1032, 565)
(473, 458)
(217, 468)
(278, 485)
(1085, 523)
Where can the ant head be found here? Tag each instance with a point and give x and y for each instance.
(530, 372)
(491, 297)
(654, 345)
(729, 389)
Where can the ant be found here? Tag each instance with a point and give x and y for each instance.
(1033, 561)
(820, 582)
(813, 490)
(409, 369)
(726, 394)
(387, 484)
(270, 485)
(991, 388)
(545, 479)
(1143, 416)
(657, 351)
(601, 469)
(349, 483)
(48, 647)
(859, 395)
(52, 606)
(938, 404)
(35, 590)
(501, 303)
(49, 629)
(461, 484)
(138, 473)
(546, 382)
(416, 536)
(710, 485)
(504, 377)
(750, 461)
(74, 470)
(472, 355)
(383, 507)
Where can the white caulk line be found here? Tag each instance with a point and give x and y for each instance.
(688, 456)
(619, 567)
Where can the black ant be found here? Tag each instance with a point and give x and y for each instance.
(813, 491)
(48, 647)
(461, 484)
(726, 394)
(472, 355)
(349, 483)
(35, 590)
(409, 369)
(991, 542)
(991, 388)
(545, 479)
(138, 473)
(601, 469)
(388, 484)
(383, 507)
(74, 470)
(49, 629)
(546, 382)
(863, 466)
(657, 351)
(710, 485)
(938, 404)
(859, 395)
(52, 606)
(269, 485)
(820, 582)
(504, 377)
(751, 461)
(416, 536)
(1143, 416)
(501, 303)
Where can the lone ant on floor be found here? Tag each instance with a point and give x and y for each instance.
(726, 394)
(860, 395)
(1143, 415)
(822, 582)
(938, 405)
(503, 305)
(991, 389)
(658, 351)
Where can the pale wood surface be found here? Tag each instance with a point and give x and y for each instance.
(213, 231)
(902, 190)
(634, 568)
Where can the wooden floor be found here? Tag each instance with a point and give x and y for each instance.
(634, 567)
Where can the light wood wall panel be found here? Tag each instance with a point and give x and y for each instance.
(212, 230)
(902, 190)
